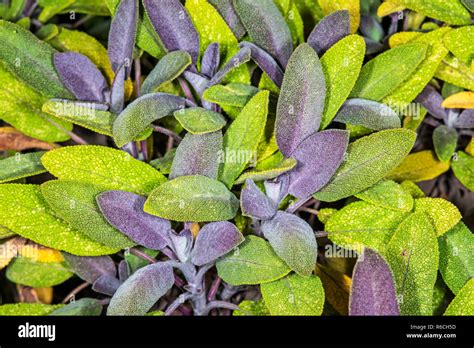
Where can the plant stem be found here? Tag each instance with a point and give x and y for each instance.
(75, 291)
(295, 206)
(138, 75)
(309, 210)
(178, 302)
(142, 255)
(186, 90)
(211, 295)
(220, 304)
(167, 132)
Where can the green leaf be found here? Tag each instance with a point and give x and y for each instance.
(83, 307)
(361, 224)
(20, 106)
(252, 262)
(25, 212)
(232, 94)
(463, 303)
(294, 295)
(82, 114)
(135, 262)
(168, 68)
(412, 189)
(369, 159)
(443, 214)
(455, 72)
(31, 60)
(409, 90)
(199, 120)
(27, 272)
(251, 308)
(192, 198)
(445, 140)
(75, 203)
(419, 166)
(243, 136)
(463, 168)
(164, 163)
(413, 257)
(54, 7)
(384, 73)
(456, 263)
(293, 19)
(21, 166)
(449, 11)
(271, 168)
(459, 42)
(110, 168)
(341, 65)
(388, 194)
(27, 309)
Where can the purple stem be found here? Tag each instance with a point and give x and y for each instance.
(220, 304)
(167, 132)
(186, 90)
(214, 287)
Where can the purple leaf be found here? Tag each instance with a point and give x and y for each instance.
(265, 62)
(117, 92)
(198, 154)
(371, 28)
(124, 211)
(226, 10)
(318, 158)
(173, 25)
(122, 35)
(90, 268)
(368, 113)
(140, 292)
(277, 189)
(329, 30)
(241, 57)
(432, 101)
(267, 27)
(373, 288)
(80, 76)
(123, 271)
(197, 81)
(210, 60)
(181, 244)
(466, 119)
(215, 240)
(255, 203)
(301, 100)
(106, 285)
(293, 240)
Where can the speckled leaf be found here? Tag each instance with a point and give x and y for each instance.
(445, 141)
(243, 137)
(373, 287)
(301, 101)
(139, 292)
(329, 30)
(110, 168)
(90, 268)
(293, 240)
(226, 10)
(215, 240)
(254, 203)
(192, 198)
(419, 166)
(341, 65)
(267, 27)
(463, 303)
(21, 166)
(456, 263)
(352, 6)
(253, 262)
(138, 115)
(198, 154)
(20, 106)
(388, 194)
(367, 113)
(75, 203)
(82, 114)
(361, 224)
(412, 254)
(369, 159)
(81, 307)
(198, 120)
(173, 25)
(459, 41)
(124, 211)
(449, 11)
(25, 271)
(454, 71)
(432, 100)
(251, 308)
(265, 62)
(210, 60)
(80, 76)
(241, 57)
(270, 168)
(31, 60)
(294, 295)
(233, 94)
(27, 309)
(469, 4)
(387, 71)
(444, 215)
(167, 69)
(25, 212)
(106, 285)
(117, 90)
(318, 157)
(463, 168)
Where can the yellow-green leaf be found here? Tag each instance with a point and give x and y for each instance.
(419, 166)
(463, 100)
(21, 166)
(443, 214)
(463, 303)
(459, 42)
(353, 6)
(388, 194)
(454, 71)
(463, 168)
(28, 309)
